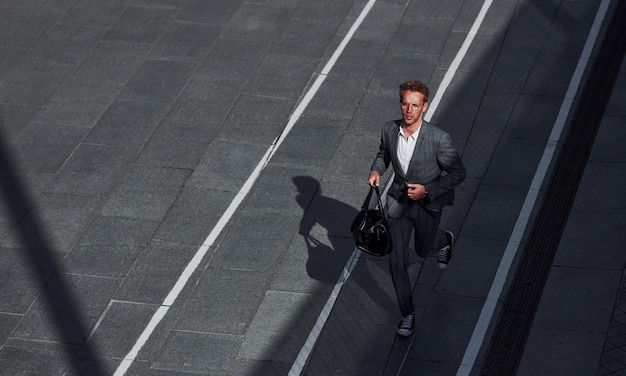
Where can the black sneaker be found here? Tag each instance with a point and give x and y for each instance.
(445, 253)
(405, 328)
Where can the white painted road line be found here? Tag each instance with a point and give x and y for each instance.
(486, 315)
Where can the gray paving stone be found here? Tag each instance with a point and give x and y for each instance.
(157, 81)
(211, 89)
(112, 231)
(14, 119)
(24, 24)
(214, 308)
(127, 123)
(276, 333)
(210, 111)
(270, 234)
(141, 25)
(257, 21)
(187, 351)
(92, 170)
(53, 316)
(28, 361)
(521, 157)
(593, 240)
(102, 260)
(155, 272)
(178, 143)
(66, 44)
(33, 83)
(433, 35)
(270, 113)
(481, 256)
(533, 117)
(337, 99)
(380, 25)
(9, 59)
(186, 42)
(486, 132)
(299, 150)
(513, 59)
(391, 72)
(558, 68)
(446, 344)
(497, 213)
(596, 173)
(553, 351)
(193, 215)
(342, 171)
(360, 58)
(111, 61)
(281, 76)
(306, 36)
(129, 317)
(44, 148)
(587, 295)
(609, 135)
(18, 191)
(55, 221)
(277, 193)
(94, 13)
(146, 193)
(312, 264)
(233, 59)
(528, 28)
(20, 285)
(216, 13)
(8, 322)
(78, 104)
(227, 164)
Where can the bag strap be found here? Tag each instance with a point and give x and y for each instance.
(366, 203)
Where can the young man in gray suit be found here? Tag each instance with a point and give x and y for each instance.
(426, 168)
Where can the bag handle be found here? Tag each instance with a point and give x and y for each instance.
(366, 203)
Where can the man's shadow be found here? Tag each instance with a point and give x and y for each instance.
(327, 258)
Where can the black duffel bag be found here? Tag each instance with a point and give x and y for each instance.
(370, 228)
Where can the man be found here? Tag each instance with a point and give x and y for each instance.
(427, 168)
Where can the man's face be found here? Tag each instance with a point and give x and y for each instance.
(412, 106)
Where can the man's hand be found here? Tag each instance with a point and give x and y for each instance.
(374, 178)
(416, 191)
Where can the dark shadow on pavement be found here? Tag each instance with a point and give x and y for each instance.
(326, 262)
(38, 255)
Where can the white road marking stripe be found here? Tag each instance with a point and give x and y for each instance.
(484, 320)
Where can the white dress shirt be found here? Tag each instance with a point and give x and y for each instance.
(406, 148)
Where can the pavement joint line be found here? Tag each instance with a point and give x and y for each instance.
(193, 264)
(495, 291)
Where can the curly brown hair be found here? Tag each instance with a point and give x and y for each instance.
(413, 85)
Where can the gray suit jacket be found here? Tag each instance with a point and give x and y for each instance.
(435, 164)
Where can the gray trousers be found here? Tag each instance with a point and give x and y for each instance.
(428, 238)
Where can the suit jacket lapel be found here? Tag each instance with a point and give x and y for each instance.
(419, 143)
(394, 150)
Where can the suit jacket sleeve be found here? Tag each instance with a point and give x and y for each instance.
(452, 170)
(383, 157)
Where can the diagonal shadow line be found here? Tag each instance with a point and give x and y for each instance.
(37, 252)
